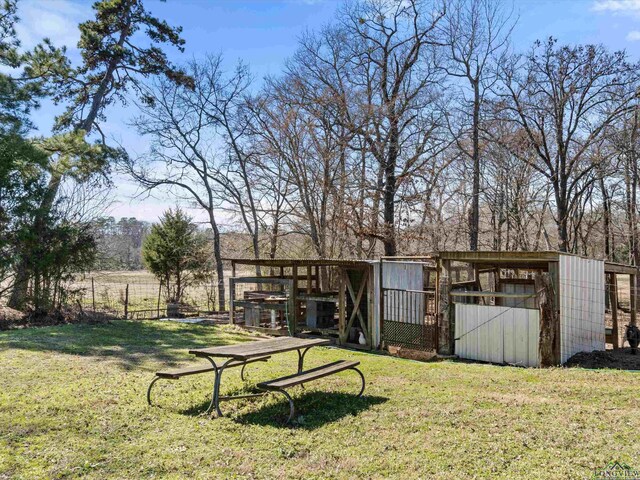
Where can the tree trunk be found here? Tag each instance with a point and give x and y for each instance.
(474, 213)
(390, 193)
(219, 265)
(606, 219)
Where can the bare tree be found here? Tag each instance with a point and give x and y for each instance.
(379, 67)
(477, 34)
(562, 99)
(190, 138)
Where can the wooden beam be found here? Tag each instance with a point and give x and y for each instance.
(262, 280)
(232, 299)
(291, 309)
(492, 294)
(613, 296)
(357, 299)
(499, 257)
(548, 351)
(445, 333)
(294, 300)
(342, 304)
(633, 299)
(381, 301)
(261, 305)
(619, 268)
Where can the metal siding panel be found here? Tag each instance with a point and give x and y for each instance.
(534, 338)
(404, 276)
(510, 336)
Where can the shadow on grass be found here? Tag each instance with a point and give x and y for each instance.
(313, 409)
(131, 343)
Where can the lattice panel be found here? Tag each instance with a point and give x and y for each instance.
(409, 335)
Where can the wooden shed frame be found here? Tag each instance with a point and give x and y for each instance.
(291, 273)
(457, 275)
(477, 262)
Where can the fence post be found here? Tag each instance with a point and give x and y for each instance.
(446, 334)
(126, 301)
(549, 321)
(613, 295)
(159, 295)
(633, 299)
(93, 295)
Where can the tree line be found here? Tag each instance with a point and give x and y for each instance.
(402, 127)
(405, 128)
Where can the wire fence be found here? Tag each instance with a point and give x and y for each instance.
(138, 295)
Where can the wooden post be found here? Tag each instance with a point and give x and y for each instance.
(548, 351)
(126, 301)
(309, 286)
(613, 292)
(294, 300)
(381, 298)
(232, 299)
(291, 309)
(633, 299)
(159, 295)
(342, 304)
(476, 279)
(446, 342)
(93, 295)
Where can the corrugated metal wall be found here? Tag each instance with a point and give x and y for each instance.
(582, 292)
(497, 334)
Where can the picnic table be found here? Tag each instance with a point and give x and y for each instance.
(241, 354)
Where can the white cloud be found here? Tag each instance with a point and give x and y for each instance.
(54, 19)
(617, 6)
(633, 36)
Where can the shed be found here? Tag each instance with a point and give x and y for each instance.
(522, 308)
(324, 297)
(534, 309)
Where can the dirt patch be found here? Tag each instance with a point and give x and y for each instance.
(621, 359)
(411, 354)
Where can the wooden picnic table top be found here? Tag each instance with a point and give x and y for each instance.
(260, 348)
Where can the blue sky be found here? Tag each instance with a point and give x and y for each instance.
(264, 33)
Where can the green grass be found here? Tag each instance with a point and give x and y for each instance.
(72, 404)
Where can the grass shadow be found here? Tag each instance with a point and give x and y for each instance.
(313, 409)
(131, 343)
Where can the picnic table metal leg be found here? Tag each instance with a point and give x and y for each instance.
(292, 408)
(362, 378)
(244, 365)
(215, 396)
(301, 361)
(301, 358)
(149, 389)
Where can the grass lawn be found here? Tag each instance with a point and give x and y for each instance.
(72, 404)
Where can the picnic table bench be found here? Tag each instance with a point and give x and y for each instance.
(177, 374)
(221, 358)
(281, 384)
